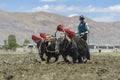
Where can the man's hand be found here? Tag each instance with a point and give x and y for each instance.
(82, 34)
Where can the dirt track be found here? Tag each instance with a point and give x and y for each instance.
(29, 67)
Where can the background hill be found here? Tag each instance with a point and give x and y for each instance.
(24, 24)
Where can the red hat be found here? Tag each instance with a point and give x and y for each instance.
(43, 35)
(60, 28)
(36, 39)
(69, 33)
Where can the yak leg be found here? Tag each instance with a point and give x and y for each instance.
(41, 56)
(84, 57)
(75, 56)
(88, 54)
(74, 59)
(65, 58)
(56, 58)
(80, 60)
(48, 59)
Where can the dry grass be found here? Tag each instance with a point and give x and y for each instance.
(11, 52)
(102, 66)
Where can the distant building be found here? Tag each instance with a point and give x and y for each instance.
(104, 48)
(1, 46)
(27, 48)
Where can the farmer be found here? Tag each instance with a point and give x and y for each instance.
(83, 31)
(83, 28)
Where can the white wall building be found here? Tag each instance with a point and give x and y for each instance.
(104, 48)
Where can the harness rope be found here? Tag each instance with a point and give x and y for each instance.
(52, 51)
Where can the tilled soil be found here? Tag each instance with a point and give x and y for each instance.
(29, 67)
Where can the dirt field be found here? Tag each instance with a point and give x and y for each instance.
(29, 67)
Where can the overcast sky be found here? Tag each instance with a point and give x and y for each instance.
(98, 10)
